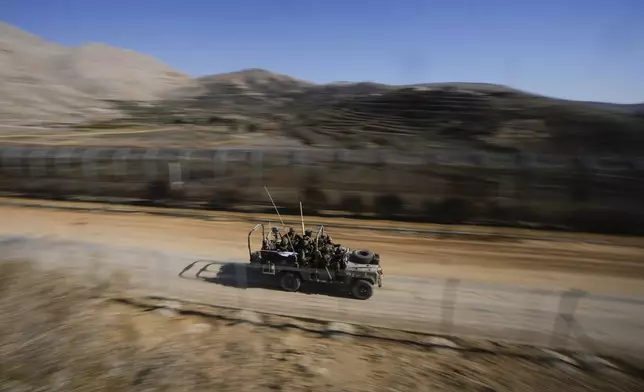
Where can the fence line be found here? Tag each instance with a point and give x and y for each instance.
(449, 157)
(567, 193)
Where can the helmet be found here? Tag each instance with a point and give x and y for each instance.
(274, 229)
(308, 232)
(291, 230)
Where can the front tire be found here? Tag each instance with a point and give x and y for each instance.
(290, 282)
(362, 289)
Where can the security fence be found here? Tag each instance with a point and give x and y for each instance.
(445, 186)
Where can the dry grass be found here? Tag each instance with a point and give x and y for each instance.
(57, 334)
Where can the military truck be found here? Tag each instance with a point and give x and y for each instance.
(357, 270)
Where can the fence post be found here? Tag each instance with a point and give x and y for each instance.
(38, 162)
(565, 317)
(63, 162)
(448, 306)
(186, 159)
(151, 169)
(175, 175)
(221, 159)
(89, 163)
(120, 163)
(12, 161)
(258, 164)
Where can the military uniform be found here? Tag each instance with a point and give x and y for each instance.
(275, 238)
(291, 239)
(304, 250)
(305, 247)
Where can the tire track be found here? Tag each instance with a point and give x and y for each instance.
(498, 312)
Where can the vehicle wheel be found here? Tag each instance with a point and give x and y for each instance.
(362, 289)
(362, 256)
(290, 282)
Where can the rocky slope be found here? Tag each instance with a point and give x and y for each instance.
(43, 81)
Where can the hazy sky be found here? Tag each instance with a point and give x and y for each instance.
(579, 49)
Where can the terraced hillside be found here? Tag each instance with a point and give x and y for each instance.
(370, 115)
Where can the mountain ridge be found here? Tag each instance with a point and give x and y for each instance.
(44, 82)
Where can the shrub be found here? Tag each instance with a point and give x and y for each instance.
(158, 190)
(353, 204)
(225, 198)
(449, 210)
(313, 199)
(389, 205)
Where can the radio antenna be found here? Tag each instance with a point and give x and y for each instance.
(279, 216)
(302, 217)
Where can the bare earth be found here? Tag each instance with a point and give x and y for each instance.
(503, 290)
(61, 334)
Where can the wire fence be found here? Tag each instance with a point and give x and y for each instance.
(601, 193)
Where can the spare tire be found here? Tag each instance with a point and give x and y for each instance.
(361, 256)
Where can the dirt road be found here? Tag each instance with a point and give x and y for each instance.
(477, 301)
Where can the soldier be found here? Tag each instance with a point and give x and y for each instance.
(282, 245)
(327, 254)
(339, 253)
(305, 247)
(275, 237)
(303, 250)
(327, 249)
(308, 236)
(291, 239)
(319, 260)
(321, 240)
(292, 234)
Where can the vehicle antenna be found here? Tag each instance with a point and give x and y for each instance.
(279, 216)
(274, 206)
(302, 216)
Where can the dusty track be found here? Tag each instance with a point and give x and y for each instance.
(155, 249)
